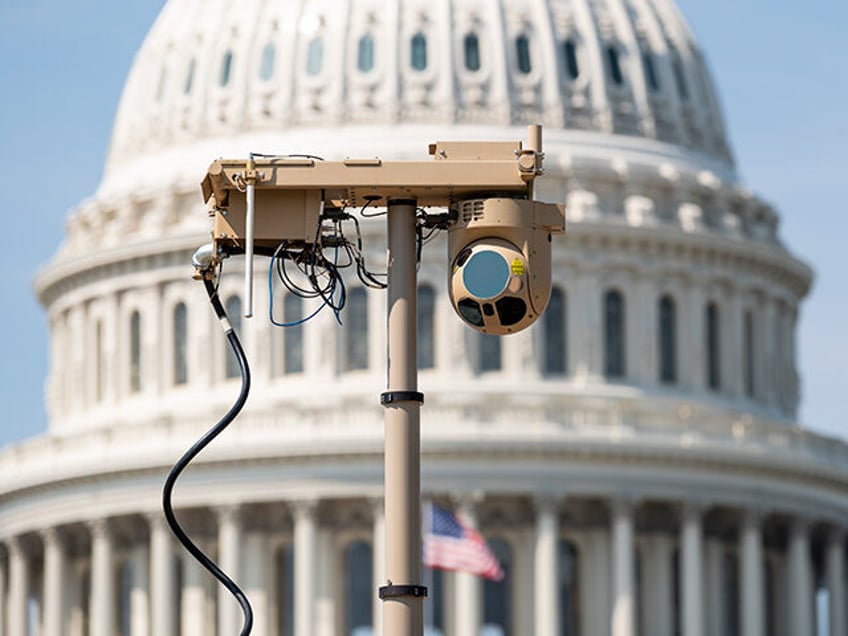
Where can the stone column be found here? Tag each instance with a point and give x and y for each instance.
(54, 574)
(229, 559)
(18, 587)
(835, 573)
(140, 591)
(305, 530)
(752, 576)
(193, 597)
(467, 586)
(257, 581)
(657, 586)
(379, 563)
(546, 569)
(691, 563)
(101, 610)
(800, 581)
(163, 580)
(623, 584)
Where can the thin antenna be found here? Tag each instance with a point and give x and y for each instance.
(250, 194)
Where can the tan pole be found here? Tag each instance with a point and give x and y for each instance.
(402, 594)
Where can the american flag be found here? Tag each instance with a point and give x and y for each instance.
(450, 544)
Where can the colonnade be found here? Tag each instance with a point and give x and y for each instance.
(659, 569)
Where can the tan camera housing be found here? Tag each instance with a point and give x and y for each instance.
(499, 252)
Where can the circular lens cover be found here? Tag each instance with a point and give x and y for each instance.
(486, 274)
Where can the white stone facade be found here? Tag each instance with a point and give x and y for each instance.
(650, 478)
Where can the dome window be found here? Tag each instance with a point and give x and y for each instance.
(569, 52)
(680, 79)
(554, 359)
(356, 335)
(418, 52)
(426, 319)
(471, 50)
(614, 334)
(668, 340)
(712, 342)
(365, 54)
(226, 68)
(231, 365)
(522, 53)
(748, 336)
(293, 343)
(489, 353)
(614, 66)
(135, 352)
(266, 64)
(650, 71)
(180, 334)
(189, 81)
(315, 57)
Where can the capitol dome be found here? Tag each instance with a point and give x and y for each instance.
(634, 459)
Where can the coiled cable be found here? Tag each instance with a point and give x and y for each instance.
(199, 445)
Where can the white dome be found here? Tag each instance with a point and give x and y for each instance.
(212, 69)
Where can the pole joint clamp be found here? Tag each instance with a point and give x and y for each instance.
(402, 591)
(391, 397)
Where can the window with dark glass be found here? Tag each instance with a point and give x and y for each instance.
(489, 353)
(314, 56)
(418, 52)
(712, 345)
(614, 362)
(267, 62)
(569, 588)
(471, 51)
(748, 328)
(135, 352)
(284, 575)
(365, 54)
(668, 340)
(292, 335)
(569, 51)
(554, 336)
(356, 337)
(233, 307)
(680, 79)
(358, 576)
(522, 54)
(426, 327)
(226, 69)
(189, 80)
(497, 595)
(180, 325)
(650, 71)
(614, 66)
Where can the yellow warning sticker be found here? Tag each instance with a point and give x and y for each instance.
(517, 267)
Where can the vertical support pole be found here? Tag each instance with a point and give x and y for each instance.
(403, 595)
(249, 225)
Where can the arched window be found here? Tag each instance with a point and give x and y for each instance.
(365, 54)
(180, 324)
(650, 71)
(293, 336)
(667, 338)
(497, 595)
(569, 588)
(189, 80)
(356, 336)
(554, 337)
(614, 66)
(712, 343)
(569, 52)
(314, 57)
(418, 51)
(489, 354)
(135, 352)
(748, 327)
(522, 54)
(614, 361)
(426, 328)
(233, 307)
(358, 564)
(471, 51)
(226, 68)
(267, 62)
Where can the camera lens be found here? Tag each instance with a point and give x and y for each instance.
(486, 274)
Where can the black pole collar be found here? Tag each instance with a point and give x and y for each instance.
(392, 397)
(402, 591)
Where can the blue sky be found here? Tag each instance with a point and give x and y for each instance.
(780, 70)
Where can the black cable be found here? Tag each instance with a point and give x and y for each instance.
(199, 445)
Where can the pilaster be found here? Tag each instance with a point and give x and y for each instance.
(623, 568)
(305, 530)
